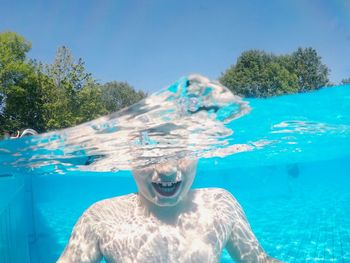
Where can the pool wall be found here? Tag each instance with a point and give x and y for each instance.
(15, 219)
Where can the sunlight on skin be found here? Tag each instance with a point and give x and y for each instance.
(165, 222)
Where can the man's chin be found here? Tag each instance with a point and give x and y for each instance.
(166, 201)
(167, 204)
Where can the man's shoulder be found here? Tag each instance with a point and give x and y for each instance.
(117, 200)
(220, 199)
(112, 206)
(213, 192)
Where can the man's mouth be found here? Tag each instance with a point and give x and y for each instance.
(166, 188)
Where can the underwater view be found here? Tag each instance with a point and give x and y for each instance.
(285, 159)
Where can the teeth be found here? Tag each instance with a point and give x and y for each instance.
(165, 184)
(166, 188)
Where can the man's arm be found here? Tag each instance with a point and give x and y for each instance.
(242, 244)
(83, 245)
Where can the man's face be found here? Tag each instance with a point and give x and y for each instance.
(167, 183)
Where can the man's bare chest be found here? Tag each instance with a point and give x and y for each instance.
(146, 239)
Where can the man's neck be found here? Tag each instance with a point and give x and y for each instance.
(167, 214)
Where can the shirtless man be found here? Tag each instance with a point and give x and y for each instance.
(165, 222)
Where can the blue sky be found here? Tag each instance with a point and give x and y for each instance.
(151, 43)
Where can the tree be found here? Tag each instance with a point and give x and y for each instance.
(259, 74)
(72, 95)
(55, 96)
(308, 67)
(118, 95)
(67, 73)
(20, 95)
(278, 80)
(91, 104)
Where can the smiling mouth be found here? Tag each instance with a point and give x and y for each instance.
(166, 188)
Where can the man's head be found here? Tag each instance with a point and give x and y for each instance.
(166, 184)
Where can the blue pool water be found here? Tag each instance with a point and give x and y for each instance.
(295, 189)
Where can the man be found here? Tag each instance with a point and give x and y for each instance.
(165, 222)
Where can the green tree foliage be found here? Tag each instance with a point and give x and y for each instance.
(307, 65)
(91, 104)
(20, 94)
(59, 95)
(72, 96)
(118, 95)
(259, 74)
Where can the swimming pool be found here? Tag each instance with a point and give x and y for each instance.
(294, 189)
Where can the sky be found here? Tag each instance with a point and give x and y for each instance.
(152, 43)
